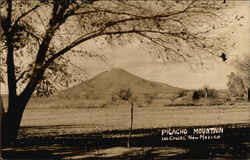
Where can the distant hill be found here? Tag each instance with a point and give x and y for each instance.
(103, 88)
(110, 82)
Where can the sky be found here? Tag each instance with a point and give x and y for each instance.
(139, 62)
(135, 59)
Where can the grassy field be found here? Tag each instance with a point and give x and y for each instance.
(102, 132)
(110, 118)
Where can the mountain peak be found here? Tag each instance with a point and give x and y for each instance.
(117, 70)
(110, 82)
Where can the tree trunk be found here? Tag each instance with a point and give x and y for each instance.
(2, 108)
(11, 122)
(10, 125)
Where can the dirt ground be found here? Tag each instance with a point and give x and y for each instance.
(102, 133)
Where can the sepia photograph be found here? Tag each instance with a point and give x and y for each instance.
(125, 79)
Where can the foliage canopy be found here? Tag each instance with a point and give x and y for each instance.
(41, 32)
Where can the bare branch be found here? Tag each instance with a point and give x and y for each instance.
(105, 11)
(38, 39)
(23, 15)
(21, 76)
(72, 45)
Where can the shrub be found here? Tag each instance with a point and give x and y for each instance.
(196, 95)
(236, 85)
(125, 94)
(182, 93)
(201, 93)
(148, 98)
(210, 92)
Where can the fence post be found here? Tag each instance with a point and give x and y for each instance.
(248, 95)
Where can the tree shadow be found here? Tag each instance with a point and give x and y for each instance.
(146, 144)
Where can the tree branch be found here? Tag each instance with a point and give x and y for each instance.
(10, 57)
(23, 15)
(105, 11)
(21, 76)
(57, 18)
(38, 39)
(132, 18)
(72, 45)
